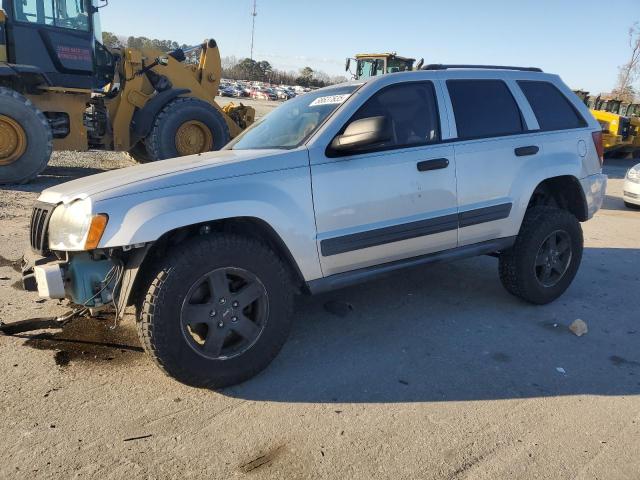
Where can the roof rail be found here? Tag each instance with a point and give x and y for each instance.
(441, 66)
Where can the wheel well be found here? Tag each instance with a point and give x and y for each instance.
(563, 192)
(245, 226)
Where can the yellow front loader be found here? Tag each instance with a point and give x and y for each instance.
(61, 89)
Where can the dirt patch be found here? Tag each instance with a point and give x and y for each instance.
(14, 264)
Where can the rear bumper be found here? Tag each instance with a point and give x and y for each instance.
(594, 188)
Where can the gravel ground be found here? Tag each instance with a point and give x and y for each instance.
(434, 373)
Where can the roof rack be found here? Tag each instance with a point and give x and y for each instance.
(441, 66)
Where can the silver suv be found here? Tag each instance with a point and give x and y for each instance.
(335, 187)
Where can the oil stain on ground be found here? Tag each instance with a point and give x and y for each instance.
(86, 340)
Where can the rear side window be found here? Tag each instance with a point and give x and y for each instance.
(552, 109)
(484, 108)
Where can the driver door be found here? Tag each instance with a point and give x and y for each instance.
(392, 201)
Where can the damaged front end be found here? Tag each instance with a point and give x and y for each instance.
(92, 279)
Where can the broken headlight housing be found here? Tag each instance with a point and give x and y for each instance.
(74, 228)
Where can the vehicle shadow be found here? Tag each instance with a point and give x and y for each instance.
(450, 332)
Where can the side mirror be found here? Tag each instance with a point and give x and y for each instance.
(347, 64)
(420, 64)
(363, 133)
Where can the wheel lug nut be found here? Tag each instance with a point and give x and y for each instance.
(223, 301)
(235, 304)
(234, 319)
(212, 313)
(220, 324)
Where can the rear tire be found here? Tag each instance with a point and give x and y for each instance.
(550, 242)
(26, 141)
(184, 310)
(162, 142)
(632, 206)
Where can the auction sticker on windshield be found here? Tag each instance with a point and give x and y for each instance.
(329, 100)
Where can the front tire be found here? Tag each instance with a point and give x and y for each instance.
(186, 126)
(217, 311)
(26, 140)
(545, 257)
(632, 206)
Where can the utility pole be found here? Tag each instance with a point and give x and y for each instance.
(253, 28)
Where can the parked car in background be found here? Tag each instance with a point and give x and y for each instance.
(239, 92)
(284, 94)
(631, 189)
(226, 92)
(263, 94)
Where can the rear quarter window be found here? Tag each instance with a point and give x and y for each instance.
(553, 110)
(484, 108)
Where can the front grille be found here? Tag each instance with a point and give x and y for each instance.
(39, 228)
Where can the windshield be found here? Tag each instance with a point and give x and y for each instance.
(369, 67)
(72, 14)
(289, 125)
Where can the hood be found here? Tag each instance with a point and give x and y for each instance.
(173, 172)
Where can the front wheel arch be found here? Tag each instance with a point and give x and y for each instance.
(251, 227)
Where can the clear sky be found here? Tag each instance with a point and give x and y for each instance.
(582, 40)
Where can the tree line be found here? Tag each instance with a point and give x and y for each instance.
(232, 68)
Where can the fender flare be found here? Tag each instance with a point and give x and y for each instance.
(143, 118)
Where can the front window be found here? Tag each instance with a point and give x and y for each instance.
(291, 124)
(71, 14)
(370, 67)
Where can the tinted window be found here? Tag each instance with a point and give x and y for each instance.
(552, 109)
(484, 108)
(411, 110)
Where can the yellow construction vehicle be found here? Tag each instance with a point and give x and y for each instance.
(610, 110)
(615, 128)
(374, 64)
(632, 111)
(61, 89)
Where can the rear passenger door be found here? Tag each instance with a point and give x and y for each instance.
(492, 149)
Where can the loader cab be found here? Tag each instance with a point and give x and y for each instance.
(372, 65)
(61, 38)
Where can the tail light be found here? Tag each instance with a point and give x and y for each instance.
(597, 141)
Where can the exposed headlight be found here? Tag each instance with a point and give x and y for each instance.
(633, 174)
(73, 228)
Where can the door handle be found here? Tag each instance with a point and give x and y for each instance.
(435, 164)
(524, 151)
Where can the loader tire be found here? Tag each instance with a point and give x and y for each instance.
(186, 126)
(139, 153)
(26, 140)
